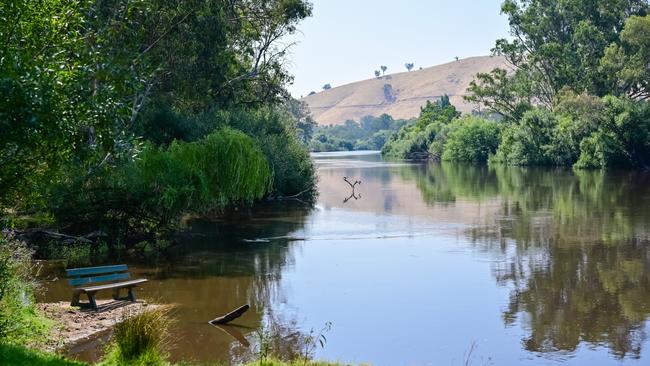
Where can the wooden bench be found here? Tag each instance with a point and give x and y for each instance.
(86, 280)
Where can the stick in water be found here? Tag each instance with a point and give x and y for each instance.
(231, 315)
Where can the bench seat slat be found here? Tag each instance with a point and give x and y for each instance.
(112, 285)
(75, 272)
(87, 280)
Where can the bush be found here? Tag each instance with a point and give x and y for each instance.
(471, 139)
(528, 142)
(274, 131)
(622, 137)
(19, 321)
(140, 339)
(224, 168)
(414, 141)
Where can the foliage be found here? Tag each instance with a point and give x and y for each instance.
(583, 131)
(83, 80)
(19, 321)
(529, 142)
(327, 86)
(370, 134)
(140, 339)
(413, 141)
(626, 63)
(12, 355)
(577, 45)
(471, 139)
(165, 182)
(621, 138)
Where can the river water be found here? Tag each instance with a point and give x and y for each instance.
(427, 264)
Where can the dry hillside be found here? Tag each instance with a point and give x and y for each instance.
(399, 95)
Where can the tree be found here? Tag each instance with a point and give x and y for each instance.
(627, 63)
(558, 45)
(383, 69)
(377, 74)
(311, 93)
(409, 66)
(456, 58)
(327, 87)
(76, 76)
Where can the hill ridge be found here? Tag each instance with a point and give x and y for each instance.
(401, 94)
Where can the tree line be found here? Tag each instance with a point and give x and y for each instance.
(124, 115)
(575, 92)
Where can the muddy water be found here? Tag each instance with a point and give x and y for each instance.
(423, 264)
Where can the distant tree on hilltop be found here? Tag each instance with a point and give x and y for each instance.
(327, 86)
(383, 69)
(409, 66)
(377, 74)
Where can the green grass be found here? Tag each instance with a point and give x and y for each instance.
(140, 339)
(19, 356)
(15, 355)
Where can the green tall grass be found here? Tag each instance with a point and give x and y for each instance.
(140, 339)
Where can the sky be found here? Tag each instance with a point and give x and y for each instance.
(347, 40)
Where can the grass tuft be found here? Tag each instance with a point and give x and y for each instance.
(140, 339)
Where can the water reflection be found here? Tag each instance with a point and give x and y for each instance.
(530, 263)
(574, 245)
(219, 265)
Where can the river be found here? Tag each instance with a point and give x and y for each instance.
(427, 264)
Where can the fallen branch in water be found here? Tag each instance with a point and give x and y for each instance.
(230, 316)
(294, 197)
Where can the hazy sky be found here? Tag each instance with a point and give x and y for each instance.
(346, 40)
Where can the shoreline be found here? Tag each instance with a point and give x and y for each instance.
(74, 325)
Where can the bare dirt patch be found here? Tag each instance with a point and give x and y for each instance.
(74, 325)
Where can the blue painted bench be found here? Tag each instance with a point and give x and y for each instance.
(87, 280)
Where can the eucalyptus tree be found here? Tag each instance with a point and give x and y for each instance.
(559, 45)
(409, 66)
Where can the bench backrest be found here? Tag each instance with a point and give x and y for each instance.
(89, 275)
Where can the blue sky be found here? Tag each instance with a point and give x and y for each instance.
(346, 40)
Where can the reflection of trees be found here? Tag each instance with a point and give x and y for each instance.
(577, 247)
(224, 263)
(594, 293)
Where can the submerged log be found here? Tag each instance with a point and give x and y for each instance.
(231, 315)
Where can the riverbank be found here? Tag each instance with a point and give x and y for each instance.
(19, 356)
(73, 324)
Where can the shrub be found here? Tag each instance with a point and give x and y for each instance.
(413, 141)
(140, 339)
(19, 321)
(471, 139)
(529, 141)
(224, 168)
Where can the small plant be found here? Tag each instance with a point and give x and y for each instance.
(20, 322)
(140, 338)
(265, 339)
(314, 340)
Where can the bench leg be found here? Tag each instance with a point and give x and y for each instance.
(75, 298)
(91, 300)
(116, 294)
(131, 294)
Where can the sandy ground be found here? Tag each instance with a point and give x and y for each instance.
(74, 325)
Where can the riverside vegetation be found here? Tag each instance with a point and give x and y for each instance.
(576, 94)
(370, 133)
(123, 117)
(120, 118)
